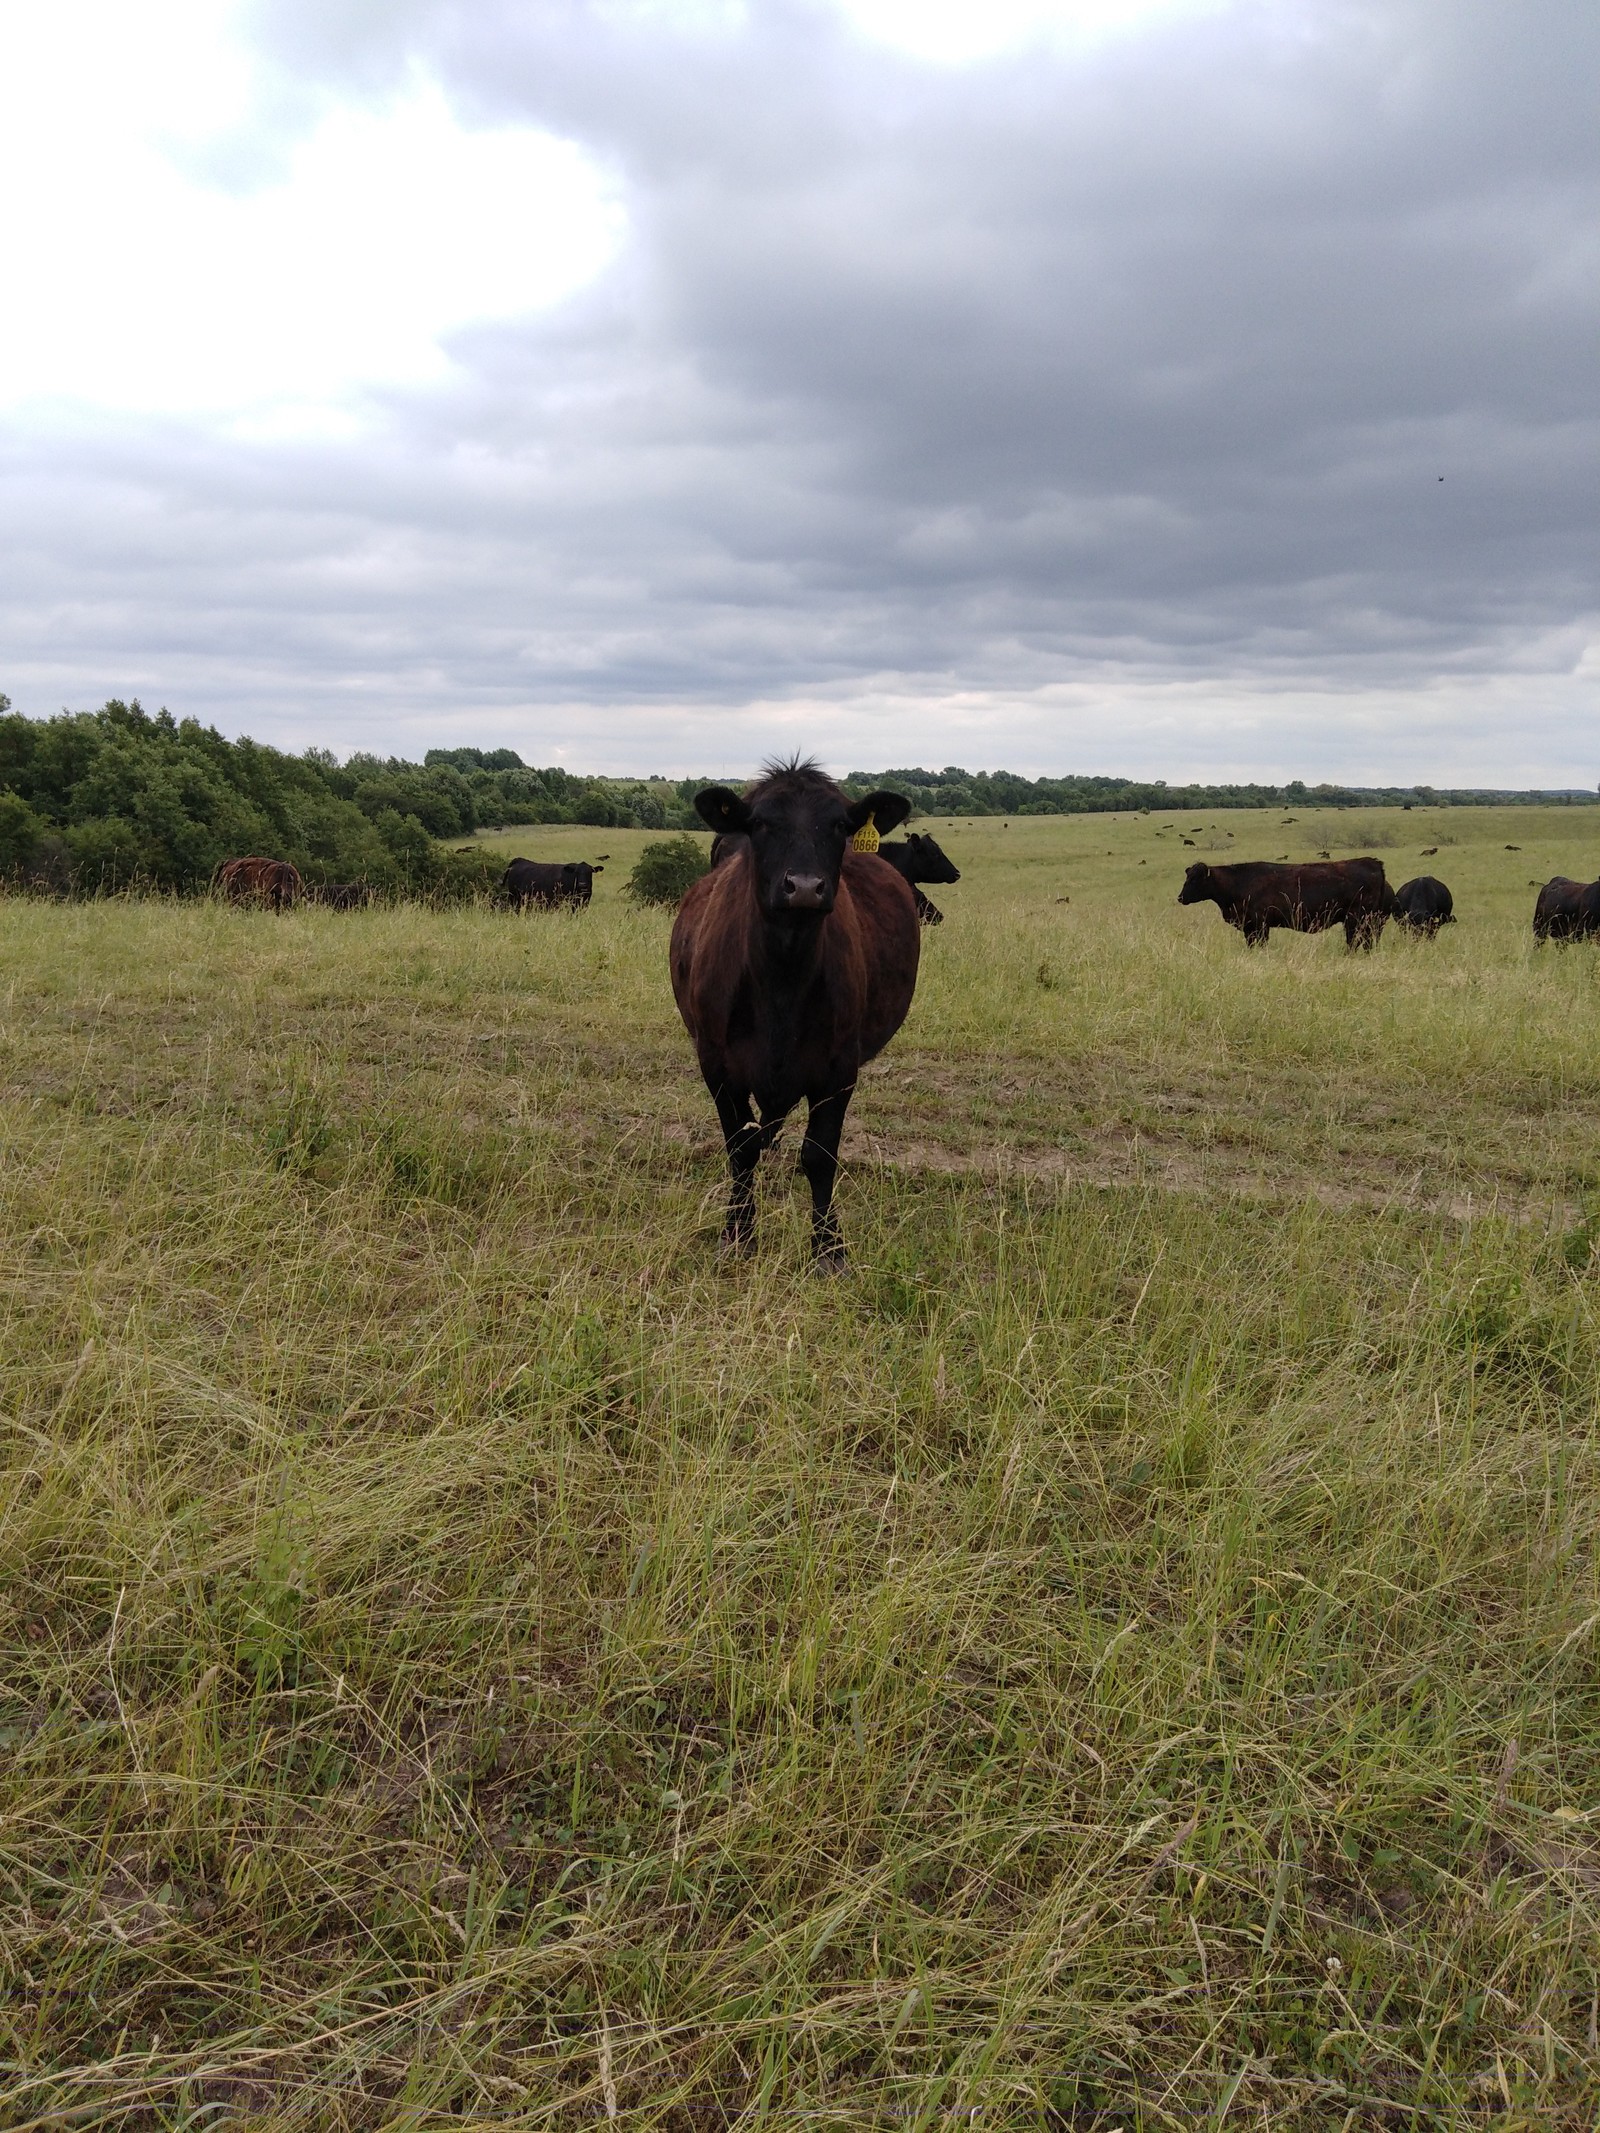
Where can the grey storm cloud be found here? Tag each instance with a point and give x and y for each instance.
(1135, 365)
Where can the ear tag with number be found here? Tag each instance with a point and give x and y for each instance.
(866, 839)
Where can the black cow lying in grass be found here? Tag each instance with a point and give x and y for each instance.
(1256, 895)
(793, 963)
(1424, 905)
(918, 858)
(1567, 910)
(543, 882)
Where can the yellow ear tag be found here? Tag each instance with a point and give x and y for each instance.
(866, 839)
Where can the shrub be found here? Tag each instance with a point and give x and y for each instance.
(668, 870)
(20, 833)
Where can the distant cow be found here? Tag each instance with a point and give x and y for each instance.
(1424, 905)
(916, 859)
(1256, 895)
(1567, 910)
(547, 883)
(794, 961)
(273, 882)
(340, 895)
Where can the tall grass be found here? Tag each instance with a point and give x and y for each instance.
(1124, 1656)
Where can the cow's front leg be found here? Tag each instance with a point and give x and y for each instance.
(819, 1159)
(742, 1138)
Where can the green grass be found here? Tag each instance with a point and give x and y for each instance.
(1125, 1655)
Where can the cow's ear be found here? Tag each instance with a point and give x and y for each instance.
(887, 810)
(720, 809)
(597, 870)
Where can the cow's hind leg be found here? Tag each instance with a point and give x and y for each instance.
(819, 1159)
(744, 1141)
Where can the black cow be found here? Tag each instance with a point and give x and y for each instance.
(1567, 910)
(1424, 905)
(916, 859)
(340, 895)
(547, 883)
(794, 961)
(1257, 894)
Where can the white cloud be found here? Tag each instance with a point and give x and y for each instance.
(957, 32)
(132, 283)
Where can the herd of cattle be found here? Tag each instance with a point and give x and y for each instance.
(538, 883)
(794, 956)
(1254, 895)
(1257, 895)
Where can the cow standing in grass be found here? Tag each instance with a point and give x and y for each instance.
(794, 961)
(1567, 910)
(1424, 905)
(919, 858)
(273, 882)
(548, 882)
(1256, 895)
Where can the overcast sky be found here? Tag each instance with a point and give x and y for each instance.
(1171, 386)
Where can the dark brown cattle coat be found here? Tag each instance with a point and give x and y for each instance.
(1257, 894)
(273, 882)
(788, 1006)
(1567, 910)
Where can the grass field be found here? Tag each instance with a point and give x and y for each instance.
(1124, 1656)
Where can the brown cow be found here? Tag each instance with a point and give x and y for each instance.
(273, 882)
(794, 961)
(1257, 894)
(1567, 910)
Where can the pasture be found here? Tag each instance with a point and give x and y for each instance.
(1124, 1655)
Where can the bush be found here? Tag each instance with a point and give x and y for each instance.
(20, 833)
(668, 870)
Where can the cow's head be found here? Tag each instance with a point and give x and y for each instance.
(933, 865)
(798, 823)
(1197, 884)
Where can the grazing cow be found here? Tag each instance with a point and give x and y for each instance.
(340, 895)
(1424, 905)
(1567, 910)
(273, 882)
(1256, 895)
(918, 858)
(547, 883)
(793, 963)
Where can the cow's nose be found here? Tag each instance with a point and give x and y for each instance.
(805, 892)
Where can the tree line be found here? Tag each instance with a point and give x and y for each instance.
(97, 801)
(954, 791)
